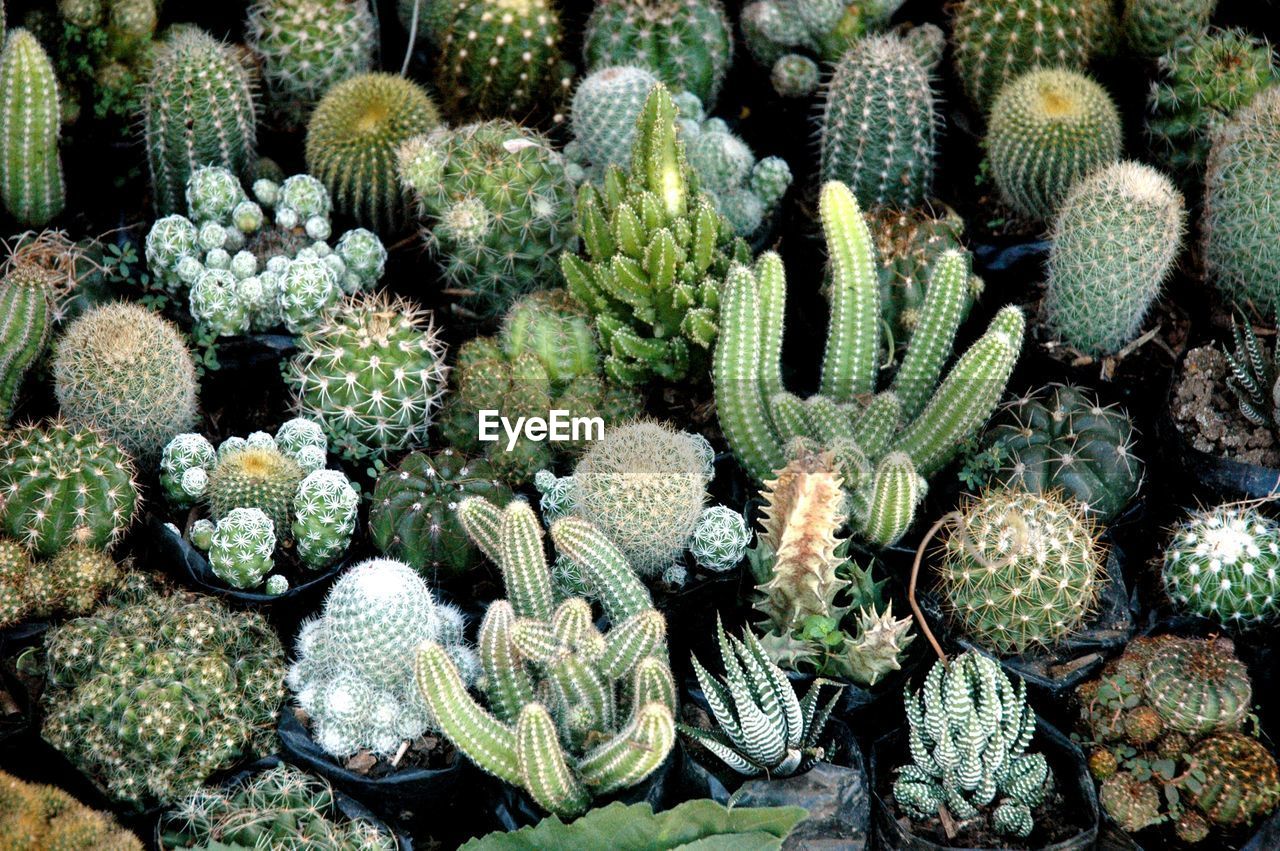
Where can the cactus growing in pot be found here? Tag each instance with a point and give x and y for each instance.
(1223, 563)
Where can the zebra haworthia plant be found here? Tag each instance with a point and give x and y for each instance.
(889, 442)
(573, 712)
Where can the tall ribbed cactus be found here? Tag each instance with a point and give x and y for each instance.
(26, 319)
(901, 435)
(573, 712)
(30, 166)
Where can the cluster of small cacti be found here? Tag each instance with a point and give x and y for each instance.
(258, 263)
(69, 583)
(1165, 725)
(34, 817)
(1223, 563)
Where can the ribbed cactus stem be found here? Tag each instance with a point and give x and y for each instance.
(931, 341)
(896, 492)
(638, 636)
(524, 564)
(849, 365)
(621, 592)
(543, 770)
(482, 521)
(633, 754)
(26, 315)
(509, 686)
(658, 154)
(31, 184)
(877, 423)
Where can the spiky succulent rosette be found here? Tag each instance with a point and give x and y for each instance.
(1224, 564)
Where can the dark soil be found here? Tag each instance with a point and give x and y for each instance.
(1052, 825)
(1207, 415)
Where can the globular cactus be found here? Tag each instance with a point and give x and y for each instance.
(895, 440)
(656, 318)
(603, 114)
(1061, 438)
(27, 294)
(1133, 803)
(1224, 564)
(241, 548)
(1235, 780)
(354, 674)
(970, 728)
(995, 41)
(878, 121)
(39, 818)
(1202, 81)
(595, 713)
(719, 539)
(256, 475)
(494, 201)
(125, 371)
(413, 513)
(396, 354)
(198, 109)
(1048, 130)
(552, 327)
(352, 139)
(1197, 686)
(1115, 239)
(687, 43)
(1020, 571)
(1240, 218)
(63, 485)
(1151, 27)
(31, 184)
(70, 583)
(305, 47)
(325, 507)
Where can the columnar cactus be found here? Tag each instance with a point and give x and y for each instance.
(892, 443)
(198, 109)
(970, 729)
(687, 43)
(878, 122)
(395, 354)
(1224, 564)
(1020, 571)
(63, 485)
(1115, 239)
(126, 372)
(494, 201)
(307, 46)
(34, 817)
(1048, 130)
(573, 712)
(656, 256)
(31, 184)
(354, 674)
(352, 139)
(1151, 27)
(26, 322)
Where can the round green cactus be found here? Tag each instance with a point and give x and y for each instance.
(795, 76)
(260, 477)
(26, 321)
(325, 506)
(553, 327)
(241, 548)
(1115, 239)
(1020, 571)
(62, 485)
(352, 139)
(1238, 780)
(31, 183)
(1132, 803)
(687, 43)
(1198, 686)
(1224, 564)
(126, 372)
(605, 107)
(1048, 130)
(80, 574)
(1151, 27)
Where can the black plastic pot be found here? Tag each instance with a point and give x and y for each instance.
(253, 350)
(1066, 761)
(17, 710)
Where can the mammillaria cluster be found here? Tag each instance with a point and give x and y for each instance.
(1224, 564)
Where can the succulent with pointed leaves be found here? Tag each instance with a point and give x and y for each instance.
(1255, 376)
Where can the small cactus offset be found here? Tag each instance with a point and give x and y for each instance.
(970, 730)
(38, 818)
(31, 184)
(1048, 130)
(573, 712)
(241, 547)
(888, 160)
(1151, 27)
(1224, 564)
(27, 294)
(198, 109)
(688, 44)
(1115, 239)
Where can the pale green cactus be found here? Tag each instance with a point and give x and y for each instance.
(325, 508)
(241, 547)
(573, 712)
(31, 182)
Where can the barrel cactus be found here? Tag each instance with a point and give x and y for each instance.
(1198, 686)
(31, 183)
(1224, 564)
(1151, 27)
(1235, 780)
(27, 294)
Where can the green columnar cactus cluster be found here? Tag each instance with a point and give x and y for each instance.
(1049, 129)
(656, 256)
(69, 583)
(688, 44)
(1202, 81)
(307, 46)
(573, 713)
(412, 516)
(1115, 239)
(888, 160)
(995, 41)
(1061, 438)
(126, 372)
(63, 485)
(809, 590)
(1020, 571)
(155, 692)
(970, 729)
(495, 203)
(198, 109)
(891, 444)
(1241, 217)
(1152, 27)
(31, 186)
(761, 726)
(354, 674)
(1224, 564)
(282, 808)
(397, 358)
(27, 294)
(40, 818)
(243, 271)
(352, 139)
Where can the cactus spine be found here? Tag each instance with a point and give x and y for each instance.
(31, 185)
(26, 321)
